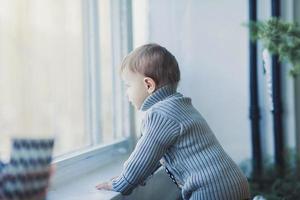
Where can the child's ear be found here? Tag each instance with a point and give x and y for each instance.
(149, 84)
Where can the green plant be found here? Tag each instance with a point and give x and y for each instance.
(280, 38)
(273, 186)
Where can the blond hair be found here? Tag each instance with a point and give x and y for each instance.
(154, 61)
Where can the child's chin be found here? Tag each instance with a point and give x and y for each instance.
(134, 105)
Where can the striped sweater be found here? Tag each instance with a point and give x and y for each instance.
(176, 134)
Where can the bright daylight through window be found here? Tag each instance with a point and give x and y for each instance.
(59, 72)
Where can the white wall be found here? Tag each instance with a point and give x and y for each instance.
(211, 45)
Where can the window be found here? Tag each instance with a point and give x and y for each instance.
(59, 72)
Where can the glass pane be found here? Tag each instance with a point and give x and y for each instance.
(41, 72)
(113, 26)
(106, 75)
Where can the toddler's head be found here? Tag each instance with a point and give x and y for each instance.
(146, 69)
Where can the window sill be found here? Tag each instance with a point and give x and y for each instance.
(76, 177)
(83, 187)
(83, 163)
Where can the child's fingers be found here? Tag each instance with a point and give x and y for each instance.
(104, 186)
(100, 186)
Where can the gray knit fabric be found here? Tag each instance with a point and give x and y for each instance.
(174, 132)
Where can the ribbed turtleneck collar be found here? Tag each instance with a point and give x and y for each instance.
(157, 96)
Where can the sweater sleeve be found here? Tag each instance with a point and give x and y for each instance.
(159, 133)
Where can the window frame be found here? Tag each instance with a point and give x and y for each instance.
(92, 157)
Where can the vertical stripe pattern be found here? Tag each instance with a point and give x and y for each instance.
(175, 132)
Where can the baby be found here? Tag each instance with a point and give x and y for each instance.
(173, 133)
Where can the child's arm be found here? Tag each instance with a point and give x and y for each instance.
(160, 132)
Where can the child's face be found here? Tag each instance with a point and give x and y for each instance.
(136, 89)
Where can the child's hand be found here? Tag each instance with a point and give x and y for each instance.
(105, 186)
